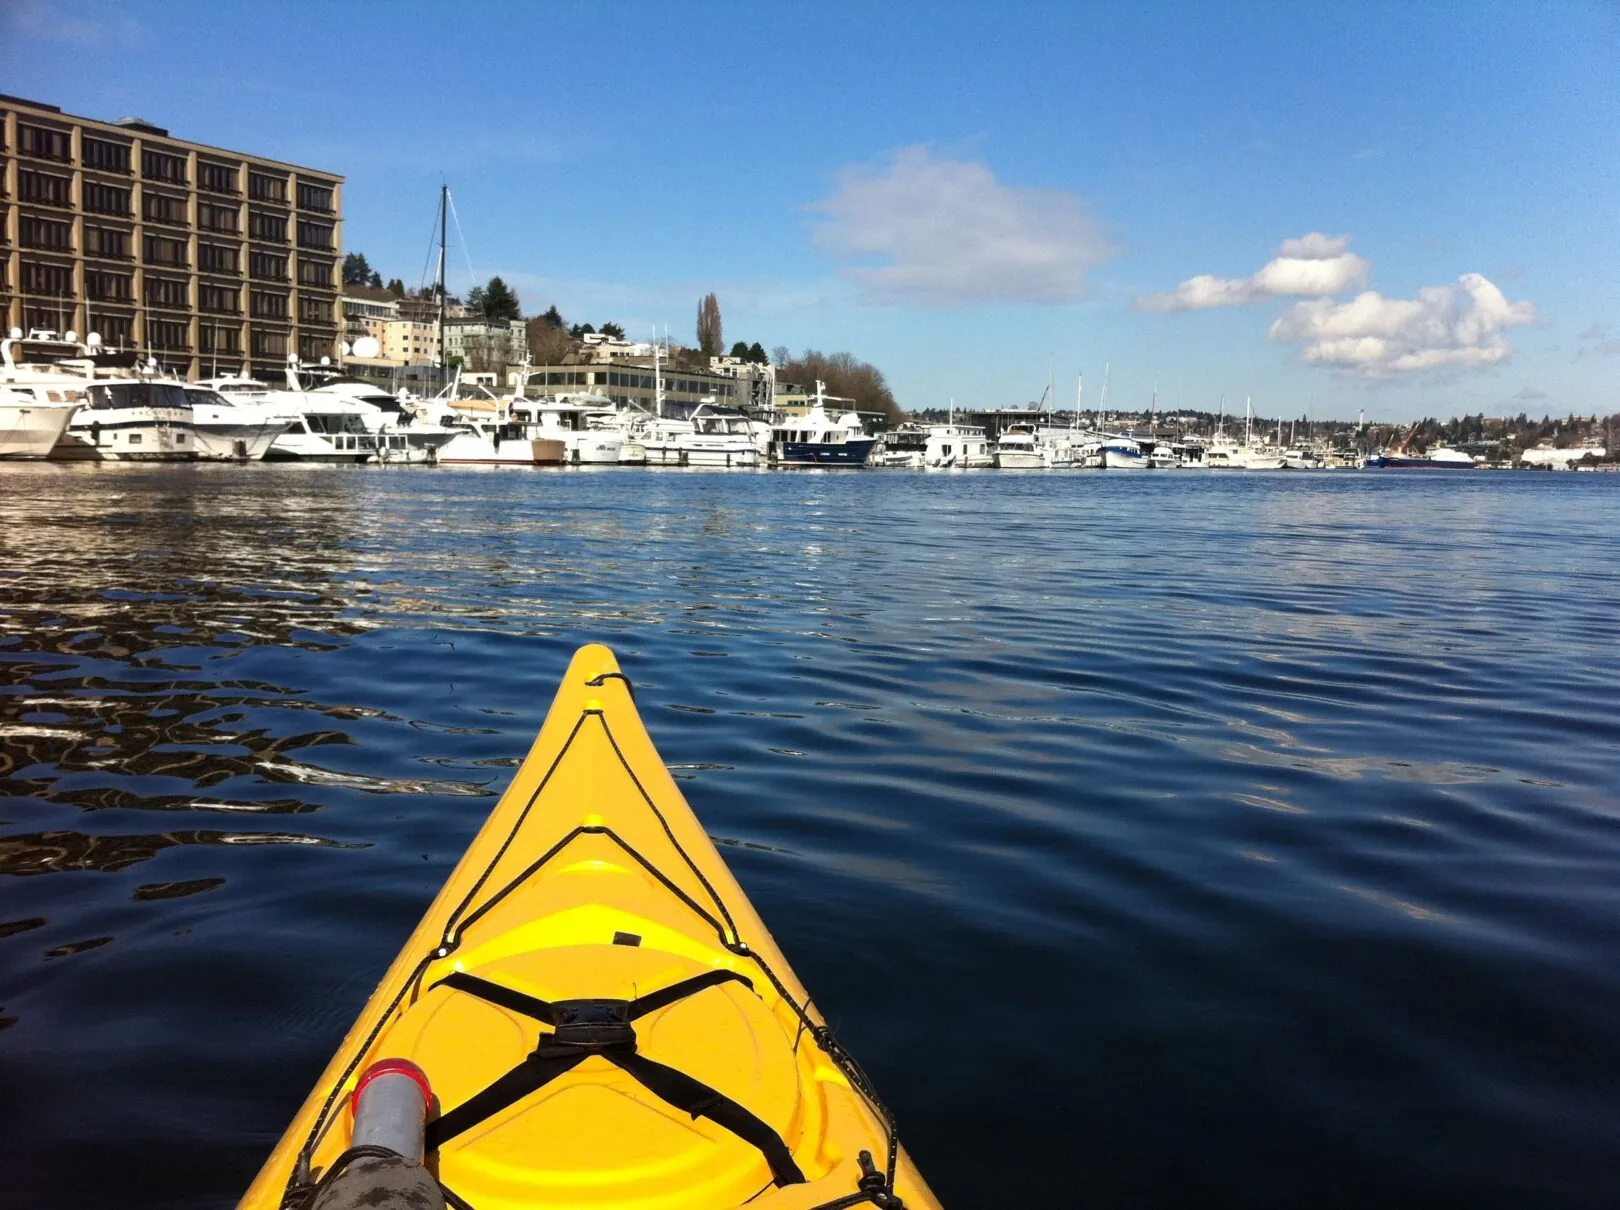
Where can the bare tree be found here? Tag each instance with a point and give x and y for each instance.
(846, 376)
(710, 333)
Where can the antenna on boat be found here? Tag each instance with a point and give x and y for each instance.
(1079, 400)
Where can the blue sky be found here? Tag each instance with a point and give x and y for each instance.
(1412, 209)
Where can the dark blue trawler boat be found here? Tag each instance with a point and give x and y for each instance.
(818, 439)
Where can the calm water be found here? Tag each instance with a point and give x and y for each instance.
(1153, 840)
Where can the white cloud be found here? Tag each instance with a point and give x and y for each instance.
(1311, 264)
(56, 23)
(922, 230)
(1444, 327)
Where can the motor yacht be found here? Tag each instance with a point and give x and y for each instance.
(1017, 448)
(322, 428)
(37, 401)
(820, 439)
(1123, 454)
(233, 430)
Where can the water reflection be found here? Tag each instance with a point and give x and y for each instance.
(1243, 786)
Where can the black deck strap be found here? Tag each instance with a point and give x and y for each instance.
(534, 1073)
(653, 1001)
(596, 682)
(504, 997)
(699, 1100)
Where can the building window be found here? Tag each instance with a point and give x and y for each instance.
(272, 227)
(43, 187)
(159, 166)
(109, 157)
(48, 281)
(314, 197)
(267, 266)
(159, 208)
(105, 199)
(43, 143)
(103, 286)
(217, 258)
(314, 235)
(314, 310)
(219, 338)
(314, 272)
(262, 188)
(160, 250)
(216, 218)
(269, 344)
(166, 292)
(116, 330)
(168, 334)
(106, 242)
(269, 305)
(223, 300)
(216, 178)
(43, 233)
(313, 348)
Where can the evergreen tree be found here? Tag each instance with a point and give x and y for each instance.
(396, 287)
(756, 354)
(356, 269)
(740, 350)
(553, 317)
(613, 330)
(501, 301)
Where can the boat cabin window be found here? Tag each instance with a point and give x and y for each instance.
(139, 395)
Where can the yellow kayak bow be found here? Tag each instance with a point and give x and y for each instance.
(604, 1020)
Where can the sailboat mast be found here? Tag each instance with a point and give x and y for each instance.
(444, 207)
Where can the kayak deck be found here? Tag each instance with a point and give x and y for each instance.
(592, 885)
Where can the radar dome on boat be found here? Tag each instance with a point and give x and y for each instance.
(326, 361)
(367, 346)
(93, 339)
(16, 334)
(70, 335)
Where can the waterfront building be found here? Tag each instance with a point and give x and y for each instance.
(211, 261)
(485, 345)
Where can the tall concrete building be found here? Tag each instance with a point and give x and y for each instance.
(208, 260)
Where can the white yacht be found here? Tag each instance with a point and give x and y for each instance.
(903, 446)
(1226, 454)
(322, 428)
(131, 420)
(233, 430)
(1301, 459)
(400, 435)
(36, 401)
(1123, 454)
(1017, 449)
(567, 419)
(496, 441)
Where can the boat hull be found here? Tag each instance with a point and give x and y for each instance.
(32, 430)
(850, 453)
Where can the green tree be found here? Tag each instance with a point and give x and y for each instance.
(710, 332)
(756, 354)
(356, 269)
(396, 287)
(579, 331)
(501, 301)
(740, 350)
(553, 317)
(613, 330)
